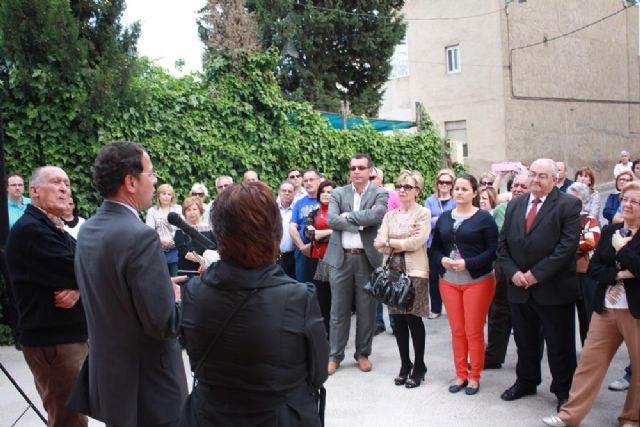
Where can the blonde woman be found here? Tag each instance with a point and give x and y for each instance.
(402, 235)
(438, 203)
(157, 219)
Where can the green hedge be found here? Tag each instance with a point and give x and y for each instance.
(195, 128)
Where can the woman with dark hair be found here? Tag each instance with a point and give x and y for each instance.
(615, 266)
(317, 230)
(465, 243)
(586, 176)
(254, 336)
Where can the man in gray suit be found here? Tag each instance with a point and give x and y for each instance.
(134, 375)
(355, 214)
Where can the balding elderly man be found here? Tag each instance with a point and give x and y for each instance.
(53, 329)
(536, 252)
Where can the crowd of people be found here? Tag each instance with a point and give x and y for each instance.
(101, 303)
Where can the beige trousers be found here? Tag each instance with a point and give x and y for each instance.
(606, 332)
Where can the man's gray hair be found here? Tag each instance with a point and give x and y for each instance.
(581, 190)
(36, 176)
(220, 178)
(286, 182)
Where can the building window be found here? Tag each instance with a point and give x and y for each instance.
(457, 131)
(453, 59)
(400, 60)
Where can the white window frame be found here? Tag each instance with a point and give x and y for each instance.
(452, 59)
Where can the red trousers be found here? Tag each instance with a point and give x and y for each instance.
(467, 306)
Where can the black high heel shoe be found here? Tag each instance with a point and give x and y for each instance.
(417, 376)
(402, 376)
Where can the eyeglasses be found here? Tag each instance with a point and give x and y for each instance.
(372, 177)
(541, 176)
(152, 173)
(440, 182)
(16, 185)
(360, 168)
(197, 194)
(516, 185)
(282, 190)
(486, 183)
(630, 201)
(623, 179)
(294, 176)
(222, 187)
(405, 187)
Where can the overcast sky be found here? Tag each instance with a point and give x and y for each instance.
(168, 31)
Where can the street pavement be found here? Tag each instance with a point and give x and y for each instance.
(355, 398)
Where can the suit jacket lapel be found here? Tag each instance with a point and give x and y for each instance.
(367, 197)
(519, 212)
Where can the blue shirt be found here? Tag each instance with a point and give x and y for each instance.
(300, 212)
(286, 243)
(16, 210)
(437, 208)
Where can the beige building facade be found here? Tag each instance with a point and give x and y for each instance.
(519, 80)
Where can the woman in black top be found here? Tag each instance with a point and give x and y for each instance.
(188, 249)
(465, 243)
(262, 365)
(615, 265)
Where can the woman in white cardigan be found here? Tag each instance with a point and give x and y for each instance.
(403, 234)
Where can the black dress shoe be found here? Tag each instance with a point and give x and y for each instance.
(561, 401)
(378, 330)
(516, 391)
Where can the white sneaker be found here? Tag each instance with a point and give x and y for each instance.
(619, 385)
(554, 421)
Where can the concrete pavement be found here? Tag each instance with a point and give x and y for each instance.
(371, 399)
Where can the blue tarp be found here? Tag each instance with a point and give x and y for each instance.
(378, 124)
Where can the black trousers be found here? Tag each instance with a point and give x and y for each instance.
(557, 323)
(498, 323)
(288, 263)
(323, 293)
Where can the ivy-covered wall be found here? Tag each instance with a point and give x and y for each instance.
(195, 128)
(199, 127)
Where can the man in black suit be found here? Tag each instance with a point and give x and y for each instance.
(134, 375)
(536, 251)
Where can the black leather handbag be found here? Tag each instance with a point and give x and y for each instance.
(391, 287)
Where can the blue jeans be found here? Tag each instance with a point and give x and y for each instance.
(627, 373)
(380, 317)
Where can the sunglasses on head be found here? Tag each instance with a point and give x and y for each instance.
(360, 168)
(405, 187)
(440, 182)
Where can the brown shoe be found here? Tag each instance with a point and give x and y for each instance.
(363, 364)
(333, 367)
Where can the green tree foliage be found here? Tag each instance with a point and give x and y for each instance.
(231, 118)
(348, 42)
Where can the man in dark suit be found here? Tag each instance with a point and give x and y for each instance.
(536, 251)
(355, 214)
(134, 375)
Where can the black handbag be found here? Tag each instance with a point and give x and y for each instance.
(391, 287)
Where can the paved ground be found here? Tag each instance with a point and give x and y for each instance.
(371, 399)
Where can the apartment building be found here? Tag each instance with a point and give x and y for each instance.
(522, 79)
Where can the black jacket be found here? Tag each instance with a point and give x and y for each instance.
(266, 364)
(40, 262)
(548, 250)
(602, 269)
(476, 239)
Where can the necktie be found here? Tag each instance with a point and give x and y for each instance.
(531, 216)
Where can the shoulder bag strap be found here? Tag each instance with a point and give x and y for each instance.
(224, 326)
